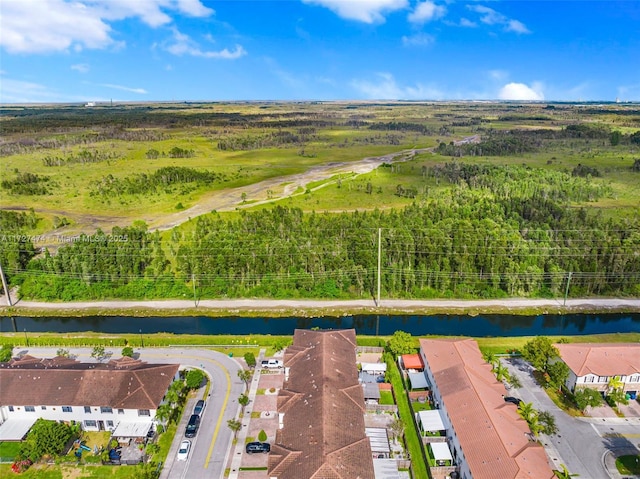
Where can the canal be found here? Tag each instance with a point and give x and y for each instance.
(450, 325)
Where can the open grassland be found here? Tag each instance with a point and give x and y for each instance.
(249, 143)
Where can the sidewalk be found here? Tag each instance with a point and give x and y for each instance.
(238, 449)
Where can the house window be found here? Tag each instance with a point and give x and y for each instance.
(144, 412)
(67, 409)
(90, 423)
(603, 379)
(106, 410)
(120, 411)
(10, 408)
(30, 409)
(87, 409)
(589, 379)
(44, 408)
(634, 379)
(109, 423)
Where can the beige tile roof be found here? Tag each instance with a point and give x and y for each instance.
(123, 384)
(494, 438)
(323, 435)
(601, 359)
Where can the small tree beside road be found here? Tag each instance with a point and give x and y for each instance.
(235, 426)
(587, 397)
(540, 352)
(245, 376)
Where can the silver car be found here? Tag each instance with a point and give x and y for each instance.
(183, 452)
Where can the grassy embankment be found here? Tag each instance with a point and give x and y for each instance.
(238, 344)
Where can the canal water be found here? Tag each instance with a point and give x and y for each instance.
(481, 325)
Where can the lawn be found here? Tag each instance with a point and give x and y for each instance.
(386, 398)
(9, 450)
(412, 438)
(628, 465)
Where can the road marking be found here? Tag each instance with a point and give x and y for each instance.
(596, 429)
(224, 407)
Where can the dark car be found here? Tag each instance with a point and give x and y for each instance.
(513, 400)
(192, 426)
(263, 447)
(199, 407)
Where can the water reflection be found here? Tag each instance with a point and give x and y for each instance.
(483, 325)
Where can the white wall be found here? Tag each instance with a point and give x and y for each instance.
(78, 414)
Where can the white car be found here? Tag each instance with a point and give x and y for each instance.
(183, 452)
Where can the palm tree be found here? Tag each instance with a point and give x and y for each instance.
(489, 357)
(163, 413)
(564, 473)
(245, 375)
(614, 383)
(526, 411)
(235, 426)
(500, 371)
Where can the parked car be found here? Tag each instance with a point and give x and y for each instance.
(192, 426)
(263, 447)
(183, 452)
(272, 364)
(200, 405)
(513, 400)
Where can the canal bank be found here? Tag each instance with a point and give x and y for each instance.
(314, 308)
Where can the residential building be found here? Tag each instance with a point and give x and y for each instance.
(487, 437)
(121, 394)
(593, 365)
(321, 410)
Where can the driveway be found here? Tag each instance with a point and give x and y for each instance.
(581, 444)
(211, 446)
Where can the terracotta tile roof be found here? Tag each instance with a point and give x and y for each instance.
(493, 437)
(323, 434)
(412, 361)
(601, 359)
(65, 382)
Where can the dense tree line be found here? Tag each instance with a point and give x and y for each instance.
(163, 178)
(27, 184)
(274, 139)
(83, 157)
(402, 126)
(475, 239)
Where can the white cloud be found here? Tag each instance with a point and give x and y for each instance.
(183, 45)
(37, 26)
(465, 22)
(520, 91)
(489, 16)
(427, 11)
(386, 88)
(81, 67)
(498, 75)
(419, 40)
(516, 26)
(140, 91)
(19, 91)
(367, 11)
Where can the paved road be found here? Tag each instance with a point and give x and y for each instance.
(212, 444)
(395, 305)
(581, 444)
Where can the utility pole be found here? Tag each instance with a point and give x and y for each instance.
(566, 291)
(379, 262)
(5, 287)
(195, 298)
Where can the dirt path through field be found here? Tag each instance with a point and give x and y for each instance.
(225, 200)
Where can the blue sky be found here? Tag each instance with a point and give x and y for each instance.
(159, 50)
